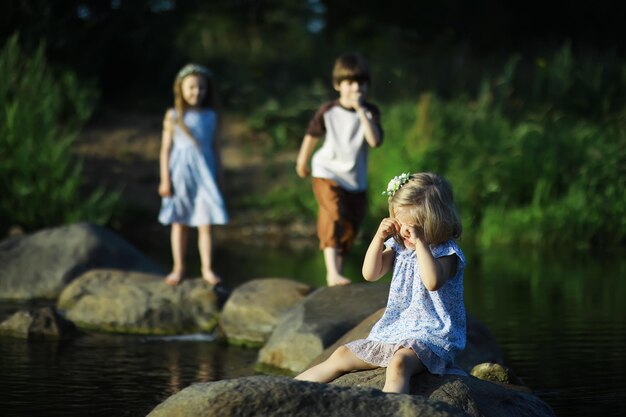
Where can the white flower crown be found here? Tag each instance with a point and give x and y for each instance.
(396, 183)
(193, 69)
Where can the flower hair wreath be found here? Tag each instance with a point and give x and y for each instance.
(396, 183)
(194, 69)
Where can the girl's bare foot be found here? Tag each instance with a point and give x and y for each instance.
(334, 280)
(209, 276)
(174, 278)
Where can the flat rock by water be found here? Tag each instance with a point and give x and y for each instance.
(268, 396)
(137, 303)
(254, 308)
(38, 323)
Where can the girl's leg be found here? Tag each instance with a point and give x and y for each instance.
(179, 235)
(205, 248)
(402, 366)
(334, 267)
(340, 362)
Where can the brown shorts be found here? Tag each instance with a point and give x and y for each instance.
(340, 214)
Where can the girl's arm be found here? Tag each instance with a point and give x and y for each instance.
(378, 260)
(306, 149)
(165, 185)
(434, 271)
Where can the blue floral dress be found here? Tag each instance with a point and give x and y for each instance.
(432, 323)
(196, 198)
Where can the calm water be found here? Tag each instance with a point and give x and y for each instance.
(560, 321)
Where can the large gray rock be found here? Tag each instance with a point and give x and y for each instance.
(481, 346)
(476, 397)
(283, 397)
(136, 303)
(254, 308)
(40, 265)
(317, 322)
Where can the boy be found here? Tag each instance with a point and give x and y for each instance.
(349, 125)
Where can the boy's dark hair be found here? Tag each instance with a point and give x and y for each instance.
(351, 67)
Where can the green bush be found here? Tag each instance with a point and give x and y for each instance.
(547, 179)
(42, 111)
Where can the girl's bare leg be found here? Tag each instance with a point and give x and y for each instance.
(205, 245)
(340, 362)
(334, 267)
(402, 366)
(179, 235)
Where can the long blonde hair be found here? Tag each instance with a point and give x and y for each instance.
(430, 200)
(210, 99)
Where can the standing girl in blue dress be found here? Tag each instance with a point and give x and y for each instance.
(423, 325)
(190, 168)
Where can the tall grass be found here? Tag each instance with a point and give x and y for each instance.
(41, 112)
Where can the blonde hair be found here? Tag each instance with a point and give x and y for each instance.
(429, 199)
(351, 66)
(181, 106)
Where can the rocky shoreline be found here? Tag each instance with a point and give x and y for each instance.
(100, 283)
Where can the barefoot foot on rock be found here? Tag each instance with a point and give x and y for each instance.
(336, 280)
(209, 276)
(174, 278)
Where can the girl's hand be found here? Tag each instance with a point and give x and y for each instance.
(387, 227)
(165, 189)
(413, 234)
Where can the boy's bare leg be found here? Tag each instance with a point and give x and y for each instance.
(340, 362)
(179, 235)
(334, 267)
(402, 366)
(205, 247)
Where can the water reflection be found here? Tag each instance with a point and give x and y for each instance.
(108, 375)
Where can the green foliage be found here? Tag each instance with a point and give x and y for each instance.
(291, 199)
(41, 114)
(285, 123)
(542, 177)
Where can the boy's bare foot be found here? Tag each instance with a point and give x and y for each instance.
(174, 278)
(334, 280)
(209, 276)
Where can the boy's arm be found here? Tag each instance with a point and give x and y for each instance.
(306, 150)
(165, 185)
(372, 132)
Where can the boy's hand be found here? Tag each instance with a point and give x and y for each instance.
(388, 226)
(303, 170)
(358, 100)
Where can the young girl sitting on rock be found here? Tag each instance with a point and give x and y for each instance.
(423, 325)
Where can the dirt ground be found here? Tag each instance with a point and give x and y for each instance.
(120, 151)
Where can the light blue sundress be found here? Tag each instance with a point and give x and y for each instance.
(196, 198)
(431, 323)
